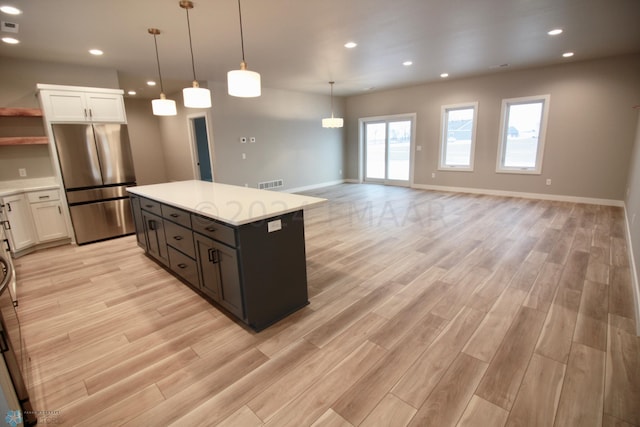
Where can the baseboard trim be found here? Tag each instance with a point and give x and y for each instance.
(635, 281)
(539, 196)
(314, 186)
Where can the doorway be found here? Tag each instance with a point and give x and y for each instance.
(386, 148)
(200, 142)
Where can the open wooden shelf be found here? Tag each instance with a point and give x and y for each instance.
(20, 112)
(24, 140)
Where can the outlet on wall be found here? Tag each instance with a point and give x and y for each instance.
(548, 181)
(22, 172)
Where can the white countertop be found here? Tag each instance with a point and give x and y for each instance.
(8, 188)
(227, 203)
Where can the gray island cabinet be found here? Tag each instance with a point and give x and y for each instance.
(239, 247)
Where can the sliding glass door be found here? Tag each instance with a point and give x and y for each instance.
(387, 149)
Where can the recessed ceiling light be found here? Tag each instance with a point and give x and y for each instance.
(407, 63)
(350, 45)
(555, 32)
(567, 54)
(10, 10)
(444, 75)
(10, 40)
(131, 92)
(151, 83)
(96, 52)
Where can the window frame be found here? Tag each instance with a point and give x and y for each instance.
(444, 138)
(542, 133)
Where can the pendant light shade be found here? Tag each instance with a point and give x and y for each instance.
(332, 122)
(162, 106)
(243, 83)
(194, 96)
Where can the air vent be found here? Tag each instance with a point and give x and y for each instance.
(268, 185)
(8, 27)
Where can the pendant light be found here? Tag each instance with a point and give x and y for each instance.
(332, 122)
(162, 106)
(243, 83)
(195, 96)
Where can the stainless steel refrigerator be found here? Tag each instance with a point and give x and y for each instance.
(97, 167)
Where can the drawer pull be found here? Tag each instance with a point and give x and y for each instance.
(178, 238)
(174, 215)
(148, 206)
(43, 197)
(213, 256)
(210, 229)
(181, 265)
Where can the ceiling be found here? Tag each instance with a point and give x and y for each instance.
(299, 44)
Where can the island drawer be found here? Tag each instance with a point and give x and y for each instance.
(151, 206)
(180, 238)
(214, 229)
(177, 215)
(184, 266)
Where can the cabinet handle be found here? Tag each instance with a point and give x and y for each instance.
(182, 265)
(8, 207)
(174, 215)
(85, 112)
(90, 113)
(59, 210)
(178, 238)
(152, 225)
(214, 257)
(43, 197)
(6, 241)
(210, 229)
(6, 225)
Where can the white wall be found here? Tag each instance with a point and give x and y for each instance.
(589, 138)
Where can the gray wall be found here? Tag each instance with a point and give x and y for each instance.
(291, 143)
(146, 142)
(590, 131)
(18, 79)
(632, 204)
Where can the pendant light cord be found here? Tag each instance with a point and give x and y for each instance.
(241, 34)
(193, 64)
(155, 41)
(331, 83)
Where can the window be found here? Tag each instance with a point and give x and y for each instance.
(458, 132)
(522, 132)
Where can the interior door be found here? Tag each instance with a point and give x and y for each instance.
(387, 150)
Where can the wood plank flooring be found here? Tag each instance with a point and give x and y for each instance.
(426, 309)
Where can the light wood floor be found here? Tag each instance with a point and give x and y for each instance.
(427, 308)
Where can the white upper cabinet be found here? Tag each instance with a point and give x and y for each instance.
(78, 104)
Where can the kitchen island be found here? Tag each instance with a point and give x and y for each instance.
(241, 248)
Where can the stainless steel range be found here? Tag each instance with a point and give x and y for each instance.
(97, 167)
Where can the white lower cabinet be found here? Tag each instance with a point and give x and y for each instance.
(18, 225)
(49, 221)
(32, 218)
